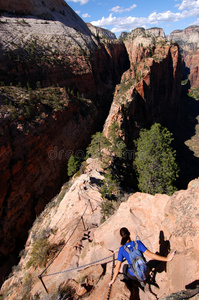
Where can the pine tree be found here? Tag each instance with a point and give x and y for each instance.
(118, 146)
(98, 142)
(155, 161)
(73, 165)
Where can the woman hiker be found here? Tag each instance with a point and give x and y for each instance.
(124, 253)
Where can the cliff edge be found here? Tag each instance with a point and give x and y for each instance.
(71, 223)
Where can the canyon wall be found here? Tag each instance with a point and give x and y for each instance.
(56, 10)
(163, 223)
(51, 51)
(150, 91)
(34, 156)
(188, 40)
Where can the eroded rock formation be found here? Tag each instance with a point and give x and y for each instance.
(53, 52)
(188, 39)
(163, 223)
(151, 89)
(101, 32)
(47, 10)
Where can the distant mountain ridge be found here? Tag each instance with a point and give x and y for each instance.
(188, 38)
(154, 31)
(101, 32)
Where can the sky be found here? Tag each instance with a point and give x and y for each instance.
(126, 15)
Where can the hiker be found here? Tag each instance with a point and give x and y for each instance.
(124, 253)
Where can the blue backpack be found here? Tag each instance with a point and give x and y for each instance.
(138, 263)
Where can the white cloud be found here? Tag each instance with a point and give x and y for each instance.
(118, 9)
(110, 20)
(80, 1)
(120, 24)
(189, 4)
(86, 15)
(166, 16)
(187, 8)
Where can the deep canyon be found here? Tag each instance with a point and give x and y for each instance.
(135, 82)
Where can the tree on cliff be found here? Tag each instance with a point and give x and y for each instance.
(117, 145)
(155, 161)
(98, 143)
(73, 165)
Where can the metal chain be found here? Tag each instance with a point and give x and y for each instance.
(113, 266)
(65, 243)
(80, 267)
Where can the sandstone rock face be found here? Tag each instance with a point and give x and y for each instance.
(148, 88)
(47, 10)
(33, 167)
(163, 223)
(36, 51)
(53, 53)
(188, 39)
(191, 59)
(101, 32)
(156, 31)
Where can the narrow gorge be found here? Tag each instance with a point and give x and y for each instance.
(60, 83)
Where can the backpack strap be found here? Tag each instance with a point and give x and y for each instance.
(136, 242)
(126, 249)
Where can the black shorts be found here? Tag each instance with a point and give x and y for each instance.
(126, 273)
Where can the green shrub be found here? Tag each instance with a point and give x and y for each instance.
(42, 251)
(98, 143)
(107, 209)
(110, 187)
(73, 165)
(155, 161)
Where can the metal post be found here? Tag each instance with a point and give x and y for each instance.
(91, 205)
(40, 277)
(83, 223)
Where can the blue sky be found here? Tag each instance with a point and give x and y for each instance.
(126, 15)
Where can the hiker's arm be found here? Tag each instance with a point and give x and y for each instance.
(116, 271)
(152, 255)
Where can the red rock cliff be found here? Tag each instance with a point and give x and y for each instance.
(163, 224)
(53, 54)
(150, 90)
(188, 40)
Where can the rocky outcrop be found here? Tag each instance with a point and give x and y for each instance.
(51, 53)
(163, 223)
(101, 32)
(188, 39)
(47, 10)
(150, 90)
(191, 67)
(33, 167)
(154, 31)
(36, 51)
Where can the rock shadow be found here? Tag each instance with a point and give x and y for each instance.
(187, 160)
(190, 291)
(96, 181)
(133, 287)
(156, 266)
